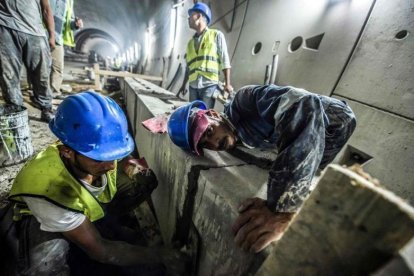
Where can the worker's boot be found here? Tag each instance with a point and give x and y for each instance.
(47, 115)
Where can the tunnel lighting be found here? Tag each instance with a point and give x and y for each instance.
(136, 50)
(147, 44)
(173, 20)
(115, 48)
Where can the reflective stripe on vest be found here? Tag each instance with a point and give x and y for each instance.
(68, 36)
(206, 61)
(45, 176)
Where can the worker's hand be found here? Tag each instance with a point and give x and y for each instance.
(257, 226)
(182, 91)
(228, 88)
(52, 43)
(175, 261)
(132, 167)
(78, 23)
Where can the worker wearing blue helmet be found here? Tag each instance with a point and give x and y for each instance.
(66, 196)
(306, 129)
(206, 56)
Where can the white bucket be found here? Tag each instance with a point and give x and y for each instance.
(15, 140)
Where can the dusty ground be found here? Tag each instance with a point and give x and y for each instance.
(40, 133)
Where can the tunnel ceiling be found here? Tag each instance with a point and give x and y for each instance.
(107, 23)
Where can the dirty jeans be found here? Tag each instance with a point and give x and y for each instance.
(56, 75)
(47, 253)
(17, 49)
(204, 94)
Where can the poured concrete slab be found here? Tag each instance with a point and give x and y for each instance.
(221, 190)
(348, 226)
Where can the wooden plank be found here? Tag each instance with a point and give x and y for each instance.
(127, 74)
(348, 226)
(97, 77)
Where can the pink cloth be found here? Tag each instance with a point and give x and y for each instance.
(158, 124)
(199, 125)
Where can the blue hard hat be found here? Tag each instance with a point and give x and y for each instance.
(93, 125)
(179, 124)
(203, 8)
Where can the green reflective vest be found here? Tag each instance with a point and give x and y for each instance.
(205, 62)
(45, 176)
(68, 36)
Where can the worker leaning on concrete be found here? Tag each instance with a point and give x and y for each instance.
(24, 41)
(308, 130)
(206, 56)
(65, 24)
(62, 194)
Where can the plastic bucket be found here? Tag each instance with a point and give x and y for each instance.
(15, 141)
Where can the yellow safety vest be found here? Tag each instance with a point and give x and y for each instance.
(45, 176)
(68, 36)
(205, 62)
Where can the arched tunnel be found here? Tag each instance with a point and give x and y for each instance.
(354, 216)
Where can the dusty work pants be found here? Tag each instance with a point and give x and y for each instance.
(56, 75)
(17, 49)
(205, 94)
(46, 253)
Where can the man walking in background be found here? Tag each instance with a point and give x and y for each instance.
(206, 56)
(24, 41)
(65, 23)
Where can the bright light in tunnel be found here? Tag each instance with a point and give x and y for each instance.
(136, 50)
(173, 20)
(115, 48)
(147, 43)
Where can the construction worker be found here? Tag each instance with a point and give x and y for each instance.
(64, 195)
(65, 24)
(23, 40)
(308, 130)
(206, 56)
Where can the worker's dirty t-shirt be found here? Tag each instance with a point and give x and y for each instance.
(307, 129)
(23, 16)
(53, 218)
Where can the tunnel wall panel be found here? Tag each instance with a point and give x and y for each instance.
(381, 70)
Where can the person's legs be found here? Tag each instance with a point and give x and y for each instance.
(193, 94)
(207, 95)
(130, 194)
(36, 56)
(56, 75)
(10, 65)
(40, 252)
(342, 124)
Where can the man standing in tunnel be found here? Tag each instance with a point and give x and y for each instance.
(308, 131)
(24, 41)
(206, 56)
(65, 24)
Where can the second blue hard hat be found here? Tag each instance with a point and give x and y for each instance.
(179, 125)
(202, 8)
(94, 126)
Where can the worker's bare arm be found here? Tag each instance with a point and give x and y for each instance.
(227, 84)
(119, 253)
(49, 22)
(257, 226)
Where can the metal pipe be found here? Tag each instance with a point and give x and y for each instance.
(267, 74)
(275, 62)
